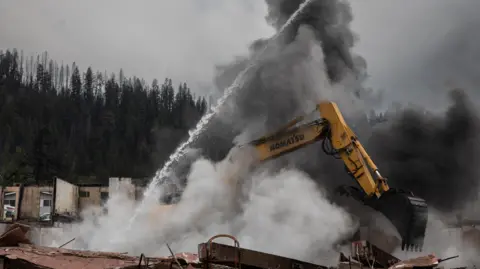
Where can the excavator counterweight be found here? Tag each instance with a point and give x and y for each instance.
(406, 212)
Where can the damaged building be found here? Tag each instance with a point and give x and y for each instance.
(63, 200)
(18, 252)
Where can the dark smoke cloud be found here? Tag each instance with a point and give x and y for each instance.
(429, 154)
(312, 61)
(448, 56)
(330, 22)
(434, 156)
(283, 82)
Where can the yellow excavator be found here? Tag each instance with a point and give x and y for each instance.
(405, 211)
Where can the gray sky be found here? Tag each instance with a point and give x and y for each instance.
(183, 39)
(414, 47)
(177, 38)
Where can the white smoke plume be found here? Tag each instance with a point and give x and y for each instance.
(445, 241)
(280, 211)
(284, 213)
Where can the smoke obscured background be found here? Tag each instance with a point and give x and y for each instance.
(433, 155)
(434, 45)
(430, 151)
(419, 146)
(425, 147)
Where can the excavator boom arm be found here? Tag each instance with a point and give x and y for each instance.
(331, 127)
(406, 212)
(284, 142)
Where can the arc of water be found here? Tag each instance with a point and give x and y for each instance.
(162, 174)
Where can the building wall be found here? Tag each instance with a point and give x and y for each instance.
(46, 202)
(66, 197)
(69, 198)
(121, 185)
(30, 208)
(15, 189)
(90, 196)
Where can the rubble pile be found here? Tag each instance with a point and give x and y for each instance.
(17, 252)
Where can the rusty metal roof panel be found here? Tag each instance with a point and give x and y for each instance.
(63, 258)
(184, 258)
(424, 261)
(15, 234)
(72, 259)
(14, 244)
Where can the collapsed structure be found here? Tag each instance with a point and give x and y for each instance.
(61, 200)
(18, 252)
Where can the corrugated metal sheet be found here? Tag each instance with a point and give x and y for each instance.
(15, 234)
(64, 258)
(184, 258)
(17, 252)
(424, 261)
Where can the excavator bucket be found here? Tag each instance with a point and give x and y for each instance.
(407, 213)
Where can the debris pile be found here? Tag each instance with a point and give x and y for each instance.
(17, 252)
(30, 256)
(14, 235)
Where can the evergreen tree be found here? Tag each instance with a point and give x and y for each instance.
(57, 123)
